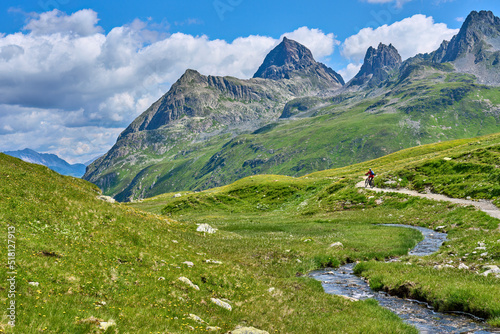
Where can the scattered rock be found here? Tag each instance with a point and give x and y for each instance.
(481, 248)
(188, 282)
(106, 324)
(196, 318)
(177, 195)
(447, 159)
(337, 244)
(212, 328)
(270, 289)
(206, 228)
(481, 244)
(463, 266)
(34, 283)
(221, 303)
(100, 304)
(213, 261)
(491, 269)
(307, 240)
(175, 241)
(440, 227)
(379, 201)
(247, 330)
(298, 261)
(106, 198)
(188, 263)
(484, 254)
(161, 278)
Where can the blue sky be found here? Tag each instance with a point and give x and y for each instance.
(76, 73)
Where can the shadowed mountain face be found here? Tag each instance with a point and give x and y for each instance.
(379, 63)
(291, 59)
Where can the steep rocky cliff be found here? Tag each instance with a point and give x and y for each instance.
(379, 63)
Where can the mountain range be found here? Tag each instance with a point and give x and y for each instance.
(296, 115)
(50, 160)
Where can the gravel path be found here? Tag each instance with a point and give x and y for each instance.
(483, 205)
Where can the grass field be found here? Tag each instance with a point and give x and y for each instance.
(83, 263)
(270, 206)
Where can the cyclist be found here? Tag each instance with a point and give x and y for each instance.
(370, 174)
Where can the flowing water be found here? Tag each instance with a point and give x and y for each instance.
(343, 282)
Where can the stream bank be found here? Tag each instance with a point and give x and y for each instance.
(343, 282)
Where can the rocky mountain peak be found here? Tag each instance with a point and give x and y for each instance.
(483, 22)
(377, 65)
(190, 76)
(291, 59)
(288, 55)
(480, 30)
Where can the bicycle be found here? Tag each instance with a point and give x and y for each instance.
(369, 182)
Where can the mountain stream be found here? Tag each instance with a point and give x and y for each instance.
(343, 282)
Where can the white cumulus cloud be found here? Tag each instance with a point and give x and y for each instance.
(83, 23)
(350, 71)
(63, 77)
(413, 35)
(320, 44)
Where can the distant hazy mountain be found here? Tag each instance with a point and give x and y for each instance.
(50, 160)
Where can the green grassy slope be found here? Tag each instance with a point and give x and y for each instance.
(325, 206)
(82, 262)
(426, 105)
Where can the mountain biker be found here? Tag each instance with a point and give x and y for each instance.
(370, 174)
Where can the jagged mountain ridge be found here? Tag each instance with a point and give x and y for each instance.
(377, 65)
(474, 50)
(393, 106)
(49, 160)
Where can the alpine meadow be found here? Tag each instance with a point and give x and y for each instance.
(218, 206)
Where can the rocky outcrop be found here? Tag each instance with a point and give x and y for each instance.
(379, 63)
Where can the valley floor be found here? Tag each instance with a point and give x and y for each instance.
(83, 264)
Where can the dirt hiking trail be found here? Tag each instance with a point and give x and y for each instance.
(483, 205)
